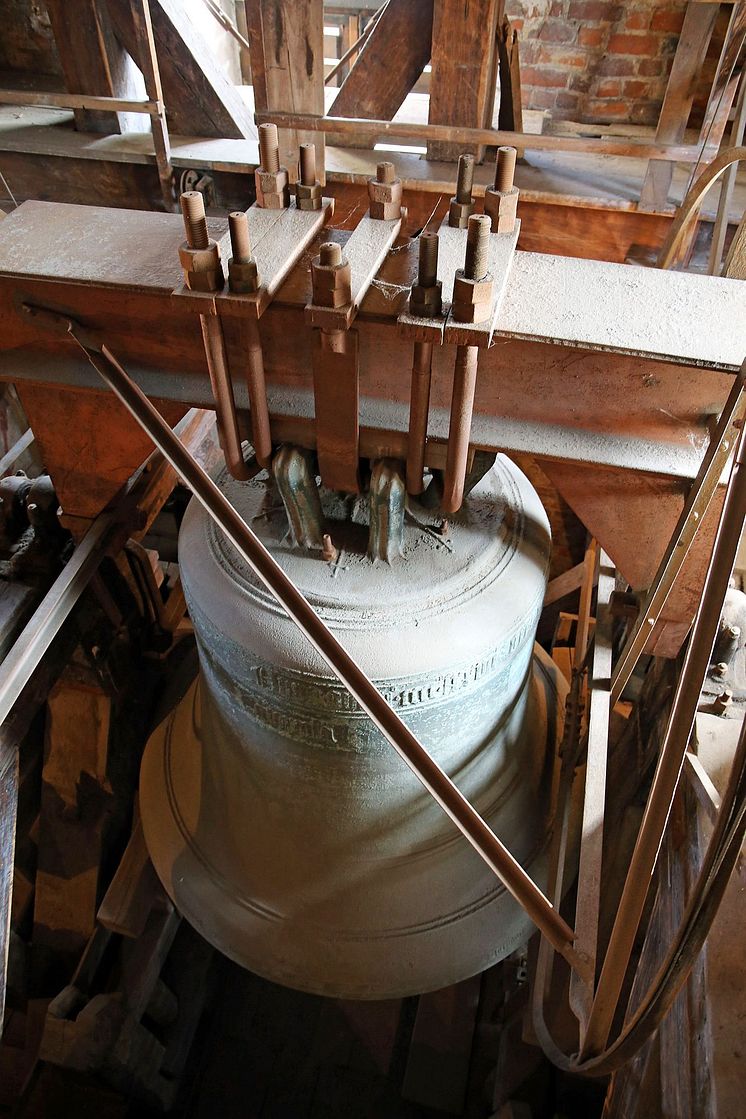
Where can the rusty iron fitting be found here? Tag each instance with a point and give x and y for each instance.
(462, 203)
(472, 285)
(331, 277)
(425, 299)
(505, 169)
(199, 255)
(272, 182)
(308, 187)
(385, 193)
(501, 201)
(243, 276)
(195, 220)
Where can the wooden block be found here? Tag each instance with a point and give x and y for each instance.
(337, 401)
(133, 890)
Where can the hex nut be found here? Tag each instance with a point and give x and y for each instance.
(472, 299)
(243, 276)
(502, 207)
(459, 213)
(199, 260)
(331, 284)
(385, 199)
(202, 268)
(272, 189)
(426, 302)
(308, 197)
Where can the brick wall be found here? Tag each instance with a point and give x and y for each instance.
(601, 61)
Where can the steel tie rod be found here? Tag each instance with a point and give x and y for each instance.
(425, 768)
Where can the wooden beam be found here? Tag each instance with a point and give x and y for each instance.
(696, 32)
(389, 64)
(287, 66)
(199, 98)
(462, 83)
(94, 62)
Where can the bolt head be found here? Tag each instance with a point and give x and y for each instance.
(472, 291)
(272, 189)
(459, 214)
(243, 277)
(502, 207)
(308, 197)
(426, 302)
(199, 260)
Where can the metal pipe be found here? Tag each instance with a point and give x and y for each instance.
(419, 407)
(251, 345)
(222, 388)
(459, 431)
(308, 122)
(46, 621)
(429, 773)
(671, 758)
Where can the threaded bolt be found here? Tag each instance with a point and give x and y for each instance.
(385, 172)
(477, 246)
(505, 169)
(269, 148)
(240, 241)
(308, 164)
(427, 275)
(330, 253)
(195, 222)
(465, 181)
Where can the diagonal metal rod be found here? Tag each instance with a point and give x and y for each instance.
(670, 760)
(425, 768)
(696, 505)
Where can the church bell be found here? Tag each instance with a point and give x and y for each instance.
(283, 825)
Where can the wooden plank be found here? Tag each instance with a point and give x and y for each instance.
(287, 64)
(564, 584)
(727, 188)
(735, 262)
(336, 390)
(691, 50)
(594, 803)
(94, 105)
(439, 1054)
(462, 82)
(132, 891)
(704, 789)
(392, 59)
(94, 62)
(199, 98)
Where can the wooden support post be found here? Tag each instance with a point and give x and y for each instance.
(388, 65)
(696, 32)
(287, 66)
(464, 58)
(149, 63)
(93, 61)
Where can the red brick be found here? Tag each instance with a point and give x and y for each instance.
(637, 20)
(557, 9)
(591, 36)
(670, 20)
(594, 10)
(606, 110)
(541, 98)
(581, 82)
(635, 89)
(567, 100)
(647, 45)
(557, 31)
(545, 76)
(612, 87)
(560, 56)
(616, 67)
(651, 67)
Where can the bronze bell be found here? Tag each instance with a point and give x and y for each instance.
(284, 827)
